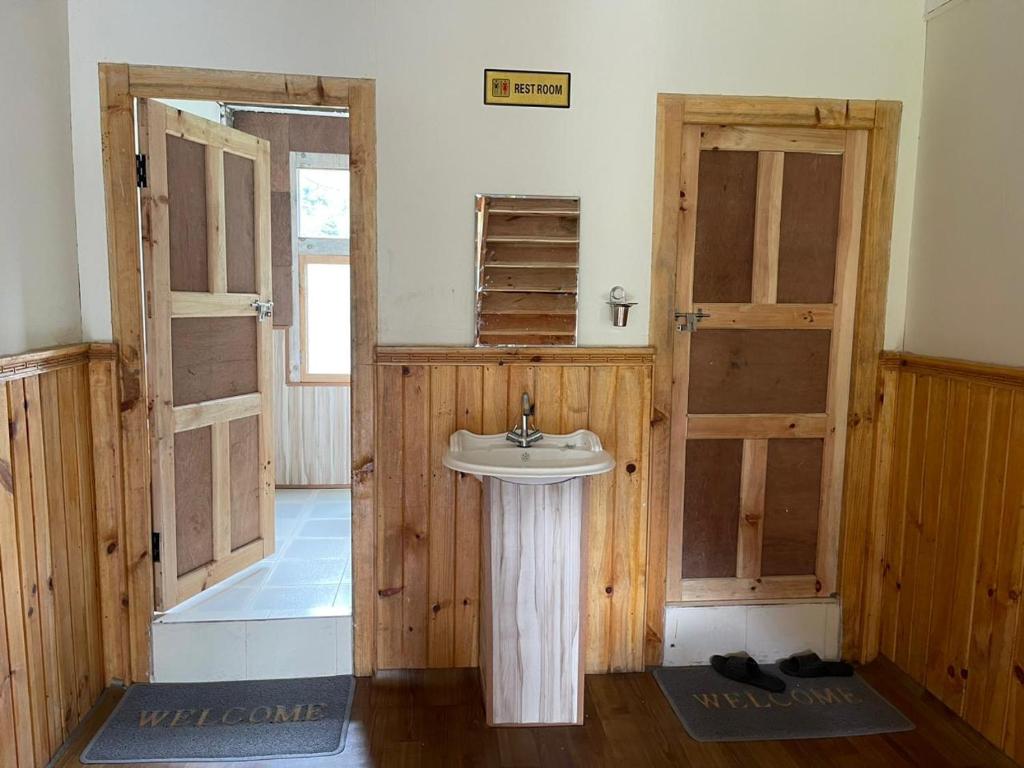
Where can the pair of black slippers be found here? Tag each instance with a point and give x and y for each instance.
(744, 669)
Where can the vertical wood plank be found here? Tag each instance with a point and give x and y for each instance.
(765, 278)
(629, 544)
(216, 230)
(83, 452)
(548, 394)
(675, 479)
(927, 522)
(1008, 579)
(117, 124)
(8, 733)
(875, 546)
(389, 571)
(908, 581)
(495, 400)
(442, 520)
(753, 474)
(869, 334)
(25, 561)
(967, 529)
(600, 524)
(220, 454)
(416, 509)
(73, 521)
(896, 518)
(979, 659)
(665, 237)
(66, 649)
(575, 398)
(44, 567)
(265, 345)
(937, 667)
(468, 415)
(13, 599)
(106, 451)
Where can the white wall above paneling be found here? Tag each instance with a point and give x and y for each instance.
(967, 267)
(39, 297)
(693, 633)
(439, 145)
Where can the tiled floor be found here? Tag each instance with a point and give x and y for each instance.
(310, 573)
(289, 615)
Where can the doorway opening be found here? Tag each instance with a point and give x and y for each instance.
(304, 574)
(246, 359)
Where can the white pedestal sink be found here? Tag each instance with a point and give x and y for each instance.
(533, 565)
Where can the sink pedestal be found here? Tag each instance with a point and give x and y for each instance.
(531, 625)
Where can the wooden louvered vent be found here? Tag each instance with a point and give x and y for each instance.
(527, 264)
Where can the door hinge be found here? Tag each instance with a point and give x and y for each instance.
(156, 547)
(686, 322)
(141, 176)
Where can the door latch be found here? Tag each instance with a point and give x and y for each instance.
(686, 322)
(264, 309)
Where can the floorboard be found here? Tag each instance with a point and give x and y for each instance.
(436, 718)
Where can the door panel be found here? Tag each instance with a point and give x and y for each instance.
(206, 238)
(768, 248)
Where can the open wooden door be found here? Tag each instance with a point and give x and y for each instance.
(769, 241)
(206, 263)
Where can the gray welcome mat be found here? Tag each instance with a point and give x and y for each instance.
(244, 720)
(714, 708)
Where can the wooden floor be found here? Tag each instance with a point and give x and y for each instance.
(435, 718)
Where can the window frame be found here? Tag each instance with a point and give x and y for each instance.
(312, 250)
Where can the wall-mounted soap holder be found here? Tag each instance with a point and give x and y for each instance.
(618, 301)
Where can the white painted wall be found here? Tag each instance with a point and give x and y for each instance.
(438, 144)
(967, 267)
(39, 303)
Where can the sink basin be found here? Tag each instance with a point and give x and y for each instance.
(553, 459)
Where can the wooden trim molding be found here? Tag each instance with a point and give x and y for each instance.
(38, 361)
(677, 113)
(560, 356)
(119, 85)
(990, 373)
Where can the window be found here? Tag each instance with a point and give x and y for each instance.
(320, 227)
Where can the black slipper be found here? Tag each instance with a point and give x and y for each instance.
(811, 665)
(744, 669)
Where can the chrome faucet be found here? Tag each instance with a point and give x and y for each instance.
(524, 435)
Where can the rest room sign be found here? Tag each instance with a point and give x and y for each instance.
(525, 88)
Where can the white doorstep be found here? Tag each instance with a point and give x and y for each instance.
(207, 651)
(693, 633)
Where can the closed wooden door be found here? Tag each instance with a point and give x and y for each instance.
(206, 251)
(769, 236)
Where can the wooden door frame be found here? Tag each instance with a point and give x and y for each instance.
(881, 119)
(119, 85)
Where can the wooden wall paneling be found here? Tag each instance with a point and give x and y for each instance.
(600, 521)
(967, 523)
(44, 562)
(1007, 585)
(8, 730)
(629, 533)
(468, 415)
(415, 513)
(611, 399)
(887, 456)
(390, 626)
(23, 568)
(947, 517)
(110, 548)
(86, 468)
(441, 528)
(57, 507)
